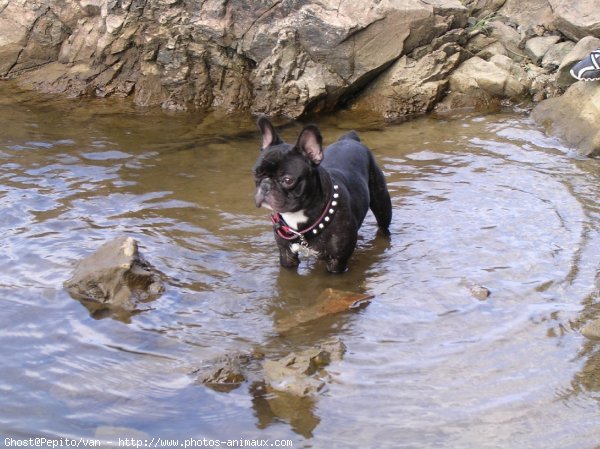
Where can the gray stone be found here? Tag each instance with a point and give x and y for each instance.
(537, 47)
(479, 42)
(115, 276)
(556, 54)
(480, 292)
(509, 37)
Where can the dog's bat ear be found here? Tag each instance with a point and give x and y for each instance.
(310, 144)
(269, 135)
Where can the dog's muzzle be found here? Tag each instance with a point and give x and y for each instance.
(262, 191)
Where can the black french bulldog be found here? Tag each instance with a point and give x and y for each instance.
(319, 198)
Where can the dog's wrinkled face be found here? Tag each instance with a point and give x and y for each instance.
(285, 173)
(282, 175)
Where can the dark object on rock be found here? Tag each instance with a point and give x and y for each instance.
(588, 69)
(116, 277)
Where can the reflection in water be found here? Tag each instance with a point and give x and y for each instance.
(272, 406)
(484, 200)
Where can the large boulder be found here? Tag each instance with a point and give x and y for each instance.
(574, 117)
(271, 57)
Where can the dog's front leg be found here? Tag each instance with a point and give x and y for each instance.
(337, 265)
(288, 258)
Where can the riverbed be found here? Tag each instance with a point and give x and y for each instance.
(484, 200)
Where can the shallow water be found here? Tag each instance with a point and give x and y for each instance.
(482, 199)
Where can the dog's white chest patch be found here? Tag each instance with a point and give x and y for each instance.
(294, 219)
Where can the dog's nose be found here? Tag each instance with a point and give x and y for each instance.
(259, 198)
(262, 191)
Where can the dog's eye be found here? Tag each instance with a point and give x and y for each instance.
(287, 181)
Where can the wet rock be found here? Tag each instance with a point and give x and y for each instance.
(116, 276)
(592, 330)
(225, 373)
(302, 373)
(478, 291)
(298, 374)
(574, 117)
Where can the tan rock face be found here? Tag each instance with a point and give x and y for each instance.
(391, 58)
(264, 56)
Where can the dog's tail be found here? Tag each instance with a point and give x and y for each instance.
(380, 202)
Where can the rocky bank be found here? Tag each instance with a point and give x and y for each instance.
(395, 58)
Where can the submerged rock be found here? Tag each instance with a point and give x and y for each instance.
(301, 373)
(298, 373)
(329, 302)
(116, 276)
(225, 373)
